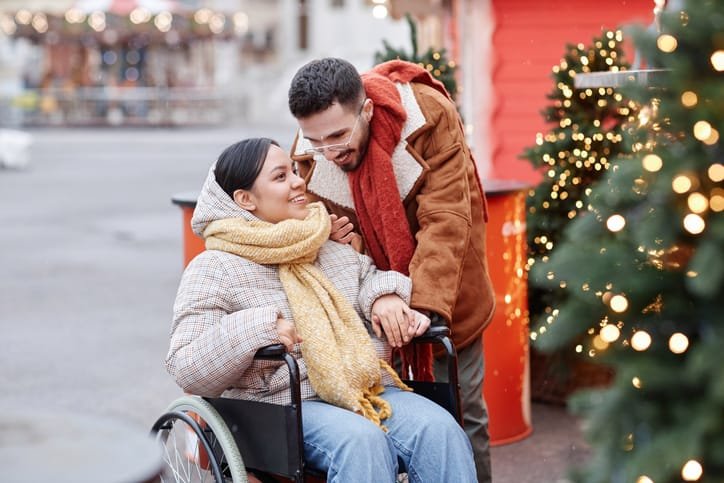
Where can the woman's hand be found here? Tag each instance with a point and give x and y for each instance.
(287, 332)
(391, 315)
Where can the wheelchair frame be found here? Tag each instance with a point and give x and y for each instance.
(230, 428)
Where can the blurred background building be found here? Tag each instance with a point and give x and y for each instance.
(216, 62)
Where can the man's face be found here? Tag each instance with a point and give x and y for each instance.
(340, 134)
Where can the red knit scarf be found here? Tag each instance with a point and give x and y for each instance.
(377, 201)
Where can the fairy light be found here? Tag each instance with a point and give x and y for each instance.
(599, 343)
(694, 223)
(692, 471)
(678, 343)
(689, 99)
(716, 202)
(641, 340)
(644, 479)
(716, 172)
(216, 23)
(74, 16)
(7, 25)
(203, 15)
(163, 21)
(615, 223)
(241, 23)
(40, 23)
(610, 333)
(97, 21)
(652, 163)
(23, 17)
(702, 130)
(681, 184)
(636, 382)
(139, 15)
(698, 203)
(379, 11)
(666, 43)
(717, 60)
(618, 303)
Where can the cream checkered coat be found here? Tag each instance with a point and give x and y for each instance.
(226, 309)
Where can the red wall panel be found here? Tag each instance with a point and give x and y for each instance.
(530, 38)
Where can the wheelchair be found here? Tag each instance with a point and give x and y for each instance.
(219, 439)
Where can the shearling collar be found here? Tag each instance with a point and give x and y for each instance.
(330, 182)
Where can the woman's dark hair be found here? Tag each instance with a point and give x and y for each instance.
(320, 83)
(240, 164)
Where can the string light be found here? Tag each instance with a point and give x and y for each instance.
(652, 163)
(698, 203)
(681, 184)
(702, 130)
(610, 333)
(689, 99)
(717, 60)
(644, 479)
(666, 43)
(636, 382)
(678, 343)
(716, 202)
(616, 223)
(692, 471)
(618, 303)
(716, 172)
(641, 340)
(694, 223)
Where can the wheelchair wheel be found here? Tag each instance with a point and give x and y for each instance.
(197, 445)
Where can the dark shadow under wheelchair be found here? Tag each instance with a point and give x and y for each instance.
(219, 439)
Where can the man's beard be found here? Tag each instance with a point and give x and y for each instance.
(361, 153)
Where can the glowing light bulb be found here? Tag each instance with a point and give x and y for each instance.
(652, 163)
(618, 303)
(681, 184)
(636, 382)
(689, 99)
(644, 479)
(698, 203)
(694, 223)
(716, 172)
(610, 333)
(717, 60)
(615, 223)
(678, 343)
(692, 471)
(666, 43)
(702, 130)
(641, 340)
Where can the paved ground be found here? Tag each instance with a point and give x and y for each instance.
(90, 259)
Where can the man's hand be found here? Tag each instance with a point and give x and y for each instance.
(420, 325)
(391, 315)
(287, 332)
(342, 230)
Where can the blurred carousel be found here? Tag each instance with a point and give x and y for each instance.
(120, 62)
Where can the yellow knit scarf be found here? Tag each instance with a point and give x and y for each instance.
(342, 365)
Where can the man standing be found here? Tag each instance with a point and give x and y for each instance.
(386, 153)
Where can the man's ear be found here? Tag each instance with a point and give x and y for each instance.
(245, 200)
(368, 109)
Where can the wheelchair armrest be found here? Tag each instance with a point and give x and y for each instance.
(278, 352)
(434, 333)
(275, 351)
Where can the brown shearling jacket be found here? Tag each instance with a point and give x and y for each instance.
(445, 206)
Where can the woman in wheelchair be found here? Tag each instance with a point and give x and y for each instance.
(271, 275)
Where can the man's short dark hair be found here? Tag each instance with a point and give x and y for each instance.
(321, 83)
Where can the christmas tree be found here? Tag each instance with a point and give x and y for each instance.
(435, 61)
(586, 136)
(644, 271)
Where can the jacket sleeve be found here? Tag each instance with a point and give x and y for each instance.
(375, 283)
(443, 211)
(211, 347)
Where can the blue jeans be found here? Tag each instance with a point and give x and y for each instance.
(423, 440)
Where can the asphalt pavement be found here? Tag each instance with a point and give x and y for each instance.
(90, 259)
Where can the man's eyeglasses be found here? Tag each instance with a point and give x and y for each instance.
(338, 147)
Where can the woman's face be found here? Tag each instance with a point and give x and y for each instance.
(278, 193)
